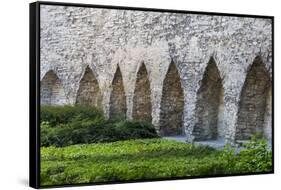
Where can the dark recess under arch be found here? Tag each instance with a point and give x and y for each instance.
(255, 103)
(210, 105)
(89, 91)
(172, 104)
(51, 90)
(118, 106)
(142, 99)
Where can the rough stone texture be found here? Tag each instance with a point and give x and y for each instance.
(74, 37)
(252, 107)
(209, 104)
(51, 91)
(118, 107)
(142, 100)
(268, 115)
(172, 104)
(221, 119)
(89, 90)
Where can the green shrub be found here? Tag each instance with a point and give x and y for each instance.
(89, 132)
(84, 125)
(124, 130)
(255, 157)
(56, 115)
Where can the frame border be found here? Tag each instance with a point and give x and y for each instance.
(34, 90)
(34, 95)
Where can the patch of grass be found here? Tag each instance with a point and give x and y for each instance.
(142, 159)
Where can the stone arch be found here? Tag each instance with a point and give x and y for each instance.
(51, 90)
(89, 91)
(117, 105)
(210, 105)
(172, 104)
(142, 100)
(255, 103)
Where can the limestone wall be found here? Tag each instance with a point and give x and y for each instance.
(74, 38)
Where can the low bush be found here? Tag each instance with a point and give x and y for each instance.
(57, 115)
(89, 132)
(254, 157)
(124, 130)
(84, 125)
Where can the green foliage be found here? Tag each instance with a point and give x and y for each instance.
(146, 159)
(122, 160)
(124, 130)
(68, 125)
(122, 151)
(90, 132)
(256, 157)
(57, 115)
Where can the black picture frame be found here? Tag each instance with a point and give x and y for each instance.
(34, 90)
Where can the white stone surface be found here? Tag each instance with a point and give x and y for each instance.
(73, 38)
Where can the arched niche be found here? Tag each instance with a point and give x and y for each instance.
(172, 104)
(210, 105)
(89, 91)
(142, 99)
(254, 114)
(117, 105)
(51, 90)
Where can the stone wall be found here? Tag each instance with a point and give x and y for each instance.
(73, 38)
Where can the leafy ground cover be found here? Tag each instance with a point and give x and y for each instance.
(147, 159)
